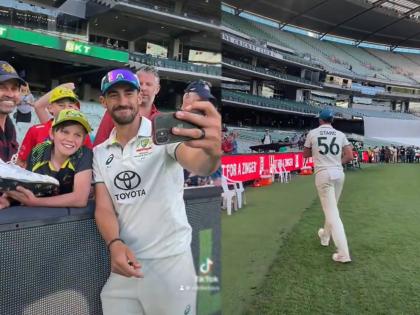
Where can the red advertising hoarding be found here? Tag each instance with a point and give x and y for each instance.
(249, 167)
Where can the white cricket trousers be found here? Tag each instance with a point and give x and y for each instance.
(329, 185)
(168, 287)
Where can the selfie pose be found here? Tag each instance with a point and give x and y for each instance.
(140, 210)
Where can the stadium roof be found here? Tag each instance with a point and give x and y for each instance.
(390, 22)
(126, 25)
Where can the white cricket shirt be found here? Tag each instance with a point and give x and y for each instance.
(146, 185)
(327, 147)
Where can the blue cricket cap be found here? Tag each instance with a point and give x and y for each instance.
(326, 114)
(202, 88)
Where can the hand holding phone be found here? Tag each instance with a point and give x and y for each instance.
(162, 129)
(209, 137)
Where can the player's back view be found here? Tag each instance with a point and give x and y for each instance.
(330, 149)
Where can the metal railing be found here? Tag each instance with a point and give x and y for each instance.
(174, 64)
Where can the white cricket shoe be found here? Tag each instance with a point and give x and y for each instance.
(12, 175)
(325, 239)
(341, 258)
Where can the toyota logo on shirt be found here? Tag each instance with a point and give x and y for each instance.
(127, 180)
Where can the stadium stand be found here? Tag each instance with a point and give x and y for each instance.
(248, 30)
(368, 71)
(336, 58)
(350, 112)
(94, 112)
(403, 64)
(272, 73)
(137, 59)
(285, 105)
(168, 7)
(276, 104)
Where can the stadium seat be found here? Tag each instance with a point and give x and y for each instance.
(276, 172)
(229, 197)
(287, 176)
(284, 175)
(240, 191)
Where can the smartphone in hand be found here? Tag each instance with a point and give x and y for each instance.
(162, 128)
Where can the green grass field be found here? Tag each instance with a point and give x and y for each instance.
(272, 262)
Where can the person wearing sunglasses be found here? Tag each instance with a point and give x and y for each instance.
(149, 88)
(140, 210)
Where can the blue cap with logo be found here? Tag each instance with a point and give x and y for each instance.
(202, 88)
(119, 76)
(7, 72)
(326, 114)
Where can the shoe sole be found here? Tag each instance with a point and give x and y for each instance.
(342, 262)
(37, 188)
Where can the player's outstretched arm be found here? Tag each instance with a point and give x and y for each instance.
(123, 260)
(200, 156)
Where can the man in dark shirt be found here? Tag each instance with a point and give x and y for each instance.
(402, 154)
(10, 83)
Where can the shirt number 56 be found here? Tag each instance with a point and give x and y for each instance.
(325, 147)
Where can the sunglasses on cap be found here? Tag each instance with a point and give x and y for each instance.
(119, 76)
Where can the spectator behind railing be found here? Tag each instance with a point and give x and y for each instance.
(59, 98)
(227, 144)
(64, 158)
(10, 83)
(267, 138)
(24, 108)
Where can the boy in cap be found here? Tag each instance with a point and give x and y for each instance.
(64, 158)
(10, 84)
(330, 150)
(61, 98)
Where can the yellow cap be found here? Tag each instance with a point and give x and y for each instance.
(62, 92)
(72, 115)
